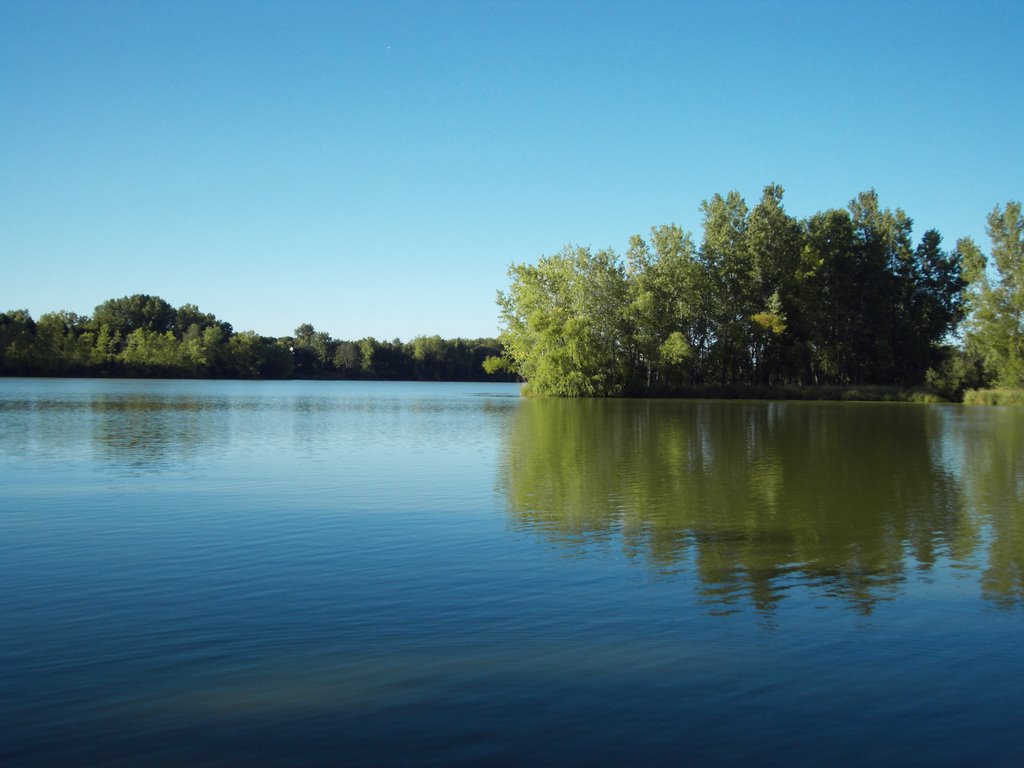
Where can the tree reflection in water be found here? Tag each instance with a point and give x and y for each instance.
(757, 499)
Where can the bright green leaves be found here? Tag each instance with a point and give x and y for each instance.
(765, 299)
(563, 323)
(663, 302)
(675, 350)
(995, 329)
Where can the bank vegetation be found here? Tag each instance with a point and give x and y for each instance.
(843, 302)
(145, 336)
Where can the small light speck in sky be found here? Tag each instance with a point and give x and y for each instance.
(260, 161)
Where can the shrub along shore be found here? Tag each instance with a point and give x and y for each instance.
(994, 397)
(809, 392)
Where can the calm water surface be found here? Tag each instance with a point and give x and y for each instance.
(302, 573)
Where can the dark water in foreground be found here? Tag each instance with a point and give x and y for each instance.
(209, 573)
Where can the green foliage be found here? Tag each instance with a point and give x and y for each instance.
(704, 485)
(148, 352)
(347, 357)
(104, 348)
(17, 342)
(994, 397)
(995, 327)
(150, 338)
(564, 321)
(766, 300)
(188, 315)
(130, 313)
(728, 281)
(774, 239)
(931, 306)
(957, 372)
(367, 352)
(494, 364)
(662, 278)
(246, 355)
(428, 354)
(675, 350)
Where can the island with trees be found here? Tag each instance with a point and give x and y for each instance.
(768, 305)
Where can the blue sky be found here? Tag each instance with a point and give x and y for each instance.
(373, 168)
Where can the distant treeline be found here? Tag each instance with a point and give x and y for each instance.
(145, 336)
(765, 300)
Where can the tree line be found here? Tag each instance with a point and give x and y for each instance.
(842, 297)
(145, 336)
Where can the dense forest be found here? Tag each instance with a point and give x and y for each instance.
(843, 297)
(145, 336)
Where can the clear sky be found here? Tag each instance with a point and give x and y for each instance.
(372, 168)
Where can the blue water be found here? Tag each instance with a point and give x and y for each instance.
(303, 573)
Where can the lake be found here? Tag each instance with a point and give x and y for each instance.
(360, 573)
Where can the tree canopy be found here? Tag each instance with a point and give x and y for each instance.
(145, 336)
(842, 297)
(995, 326)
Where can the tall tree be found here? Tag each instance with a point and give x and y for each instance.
(728, 283)
(883, 277)
(774, 240)
(929, 306)
(996, 324)
(564, 323)
(827, 297)
(662, 310)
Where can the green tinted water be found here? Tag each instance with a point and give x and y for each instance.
(845, 500)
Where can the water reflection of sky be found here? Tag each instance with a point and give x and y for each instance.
(303, 429)
(287, 572)
(859, 503)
